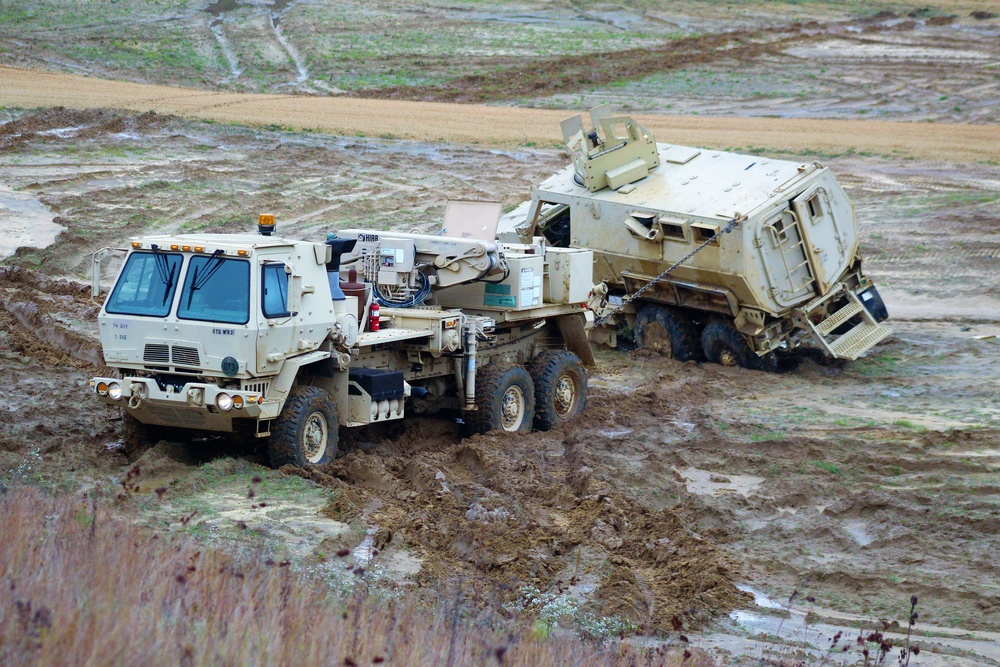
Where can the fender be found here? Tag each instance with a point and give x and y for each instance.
(285, 380)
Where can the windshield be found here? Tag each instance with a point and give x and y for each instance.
(216, 290)
(146, 285)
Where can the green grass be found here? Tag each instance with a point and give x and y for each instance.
(831, 468)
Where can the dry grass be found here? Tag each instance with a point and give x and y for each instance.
(82, 585)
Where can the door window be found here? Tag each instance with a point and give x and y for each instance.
(274, 299)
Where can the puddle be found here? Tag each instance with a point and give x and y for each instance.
(708, 483)
(883, 51)
(947, 646)
(220, 7)
(25, 222)
(759, 598)
(858, 530)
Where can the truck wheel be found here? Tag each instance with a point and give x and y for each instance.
(306, 431)
(724, 345)
(505, 400)
(136, 436)
(666, 331)
(560, 387)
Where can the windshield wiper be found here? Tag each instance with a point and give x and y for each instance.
(170, 283)
(214, 262)
(161, 267)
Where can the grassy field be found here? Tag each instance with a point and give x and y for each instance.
(331, 46)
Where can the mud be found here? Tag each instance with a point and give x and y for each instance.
(858, 485)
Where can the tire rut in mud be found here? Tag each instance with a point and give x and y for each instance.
(567, 74)
(499, 513)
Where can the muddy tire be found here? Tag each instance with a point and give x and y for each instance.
(136, 436)
(667, 332)
(724, 345)
(560, 387)
(306, 431)
(505, 400)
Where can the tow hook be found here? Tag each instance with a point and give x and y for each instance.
(138, 395)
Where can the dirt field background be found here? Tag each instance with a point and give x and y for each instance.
(706, 492)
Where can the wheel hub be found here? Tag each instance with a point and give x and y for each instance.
(728, 358)
(314, 437)
(565, 396)
(657, 339)
(512, 409)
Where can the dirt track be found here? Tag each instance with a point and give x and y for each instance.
(492, 126)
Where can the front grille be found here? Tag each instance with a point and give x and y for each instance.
(255, 386)
(156, 353)
(186, 356)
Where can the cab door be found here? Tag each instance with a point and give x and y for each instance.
(277, 321)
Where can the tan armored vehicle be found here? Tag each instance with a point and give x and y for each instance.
(707, 253)
(276, 338)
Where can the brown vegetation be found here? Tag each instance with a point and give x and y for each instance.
(84, 586)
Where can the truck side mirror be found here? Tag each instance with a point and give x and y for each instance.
(95, 269)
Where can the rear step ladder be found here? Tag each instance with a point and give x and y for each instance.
(855, 342)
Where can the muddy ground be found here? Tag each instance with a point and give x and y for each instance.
(690, 490)
(686, 490)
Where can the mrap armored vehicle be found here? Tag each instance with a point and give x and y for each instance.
(707, 253)
(289, 340)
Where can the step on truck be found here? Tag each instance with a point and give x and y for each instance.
(290, 340)
(705, 253)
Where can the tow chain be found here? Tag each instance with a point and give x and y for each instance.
(632, 297)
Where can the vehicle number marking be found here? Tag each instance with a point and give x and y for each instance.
(224, 332)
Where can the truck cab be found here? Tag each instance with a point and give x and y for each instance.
(255, 334)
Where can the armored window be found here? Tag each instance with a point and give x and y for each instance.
(703, 232)
(146, 285)
(779, 229)
(216, 290)
(274, 296)
(815, 208)
(673, 230)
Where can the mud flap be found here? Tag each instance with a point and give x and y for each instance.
(574, 333)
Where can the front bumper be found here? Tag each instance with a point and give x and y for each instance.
(196, 405)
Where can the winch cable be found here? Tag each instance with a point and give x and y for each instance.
(632, 297)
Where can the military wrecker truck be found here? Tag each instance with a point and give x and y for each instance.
(707, 253)
(270, 337)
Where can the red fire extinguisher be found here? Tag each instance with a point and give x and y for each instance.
(373, 323)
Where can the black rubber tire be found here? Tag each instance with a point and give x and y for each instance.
(136, 436)
(560, 387)
(666, 331)
(308, 413)
(500, 386)
(724, 345)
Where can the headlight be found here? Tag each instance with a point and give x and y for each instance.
(238, 402)
(115, 390)
(224, 402)
(102, 388)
